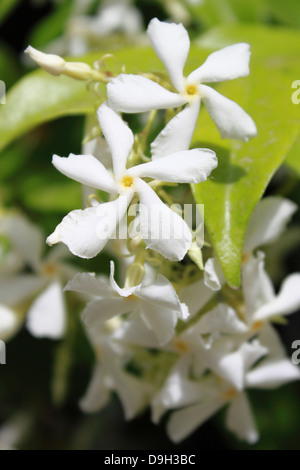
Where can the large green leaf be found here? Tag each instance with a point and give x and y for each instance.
(38, 98)
(215, 12)
(293, 156)
(287, 11)
(245, 170)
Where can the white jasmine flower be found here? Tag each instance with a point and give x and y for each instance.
(157, 303)
(109, 375)
(267, 223)
(135, 94)
(261, 303)
(219, 356)
(86, 232)
(201, 399)
(46, 315)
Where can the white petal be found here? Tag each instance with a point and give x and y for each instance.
(118, 137)
(231, 120)
(257, 287)
(88, 283)
(178, 133)
(286, 302)
(268, 221)
(161, 293)
(8, 322)
(213, 274)
(87, 231)
(229, 366)
(97, 394)
(184, 422)
(136, 94)
(131, 391)
(19, 288)
(27, 238)
(251, 353)
(189, 166)
(240, 421)
(171, 44)
(228, 63)
(134, 331)
(160, 320)
(47, 315)
(272, 374)
(177, 390)
(162, 229)
(222, 319)
(196, 295)
(99, 311)
(269, 338)
(123, 292)
(85, 169)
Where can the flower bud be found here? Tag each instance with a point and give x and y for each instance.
(52, 63)
(78, 70)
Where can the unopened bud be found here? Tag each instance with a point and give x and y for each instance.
(78, 70)
(195, 254)
(52, 63)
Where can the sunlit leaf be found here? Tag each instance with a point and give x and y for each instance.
(245, 170)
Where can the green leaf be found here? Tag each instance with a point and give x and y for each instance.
(212, 13)
(287, 11)
(293, 156)
(40, 194)
(38, 98)
(245, 170)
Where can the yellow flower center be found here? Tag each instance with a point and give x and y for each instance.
(131, 297)
(50, 269)
(181, 346)
(245, 257)
(191, 90)
(230, 393)
(257, 325)
(127, 181)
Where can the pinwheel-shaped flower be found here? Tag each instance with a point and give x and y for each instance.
(46, 314)
(157, 304)
(134, 93)
(196, 401)
(87, 231)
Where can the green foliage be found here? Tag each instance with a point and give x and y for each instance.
(245, 169)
